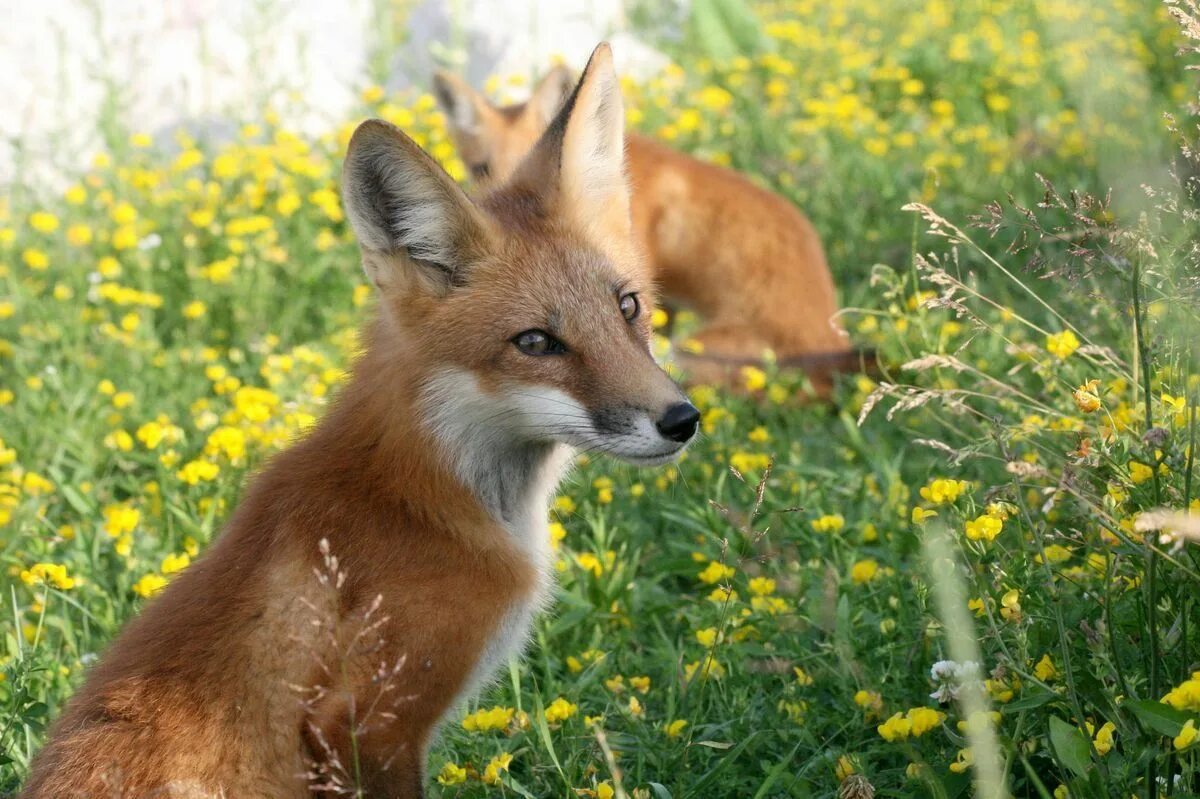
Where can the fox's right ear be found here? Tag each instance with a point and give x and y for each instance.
(412, 220)
(462, 105)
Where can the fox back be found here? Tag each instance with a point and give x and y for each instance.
(744, 258)
(380, 570)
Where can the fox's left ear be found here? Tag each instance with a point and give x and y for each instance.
(463, 106)
(550, 93)
(581, 156)
(415, 226)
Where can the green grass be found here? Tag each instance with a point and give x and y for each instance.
(843, 599)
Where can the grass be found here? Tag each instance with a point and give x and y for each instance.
(771, 617)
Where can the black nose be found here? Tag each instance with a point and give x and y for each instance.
(679, 422)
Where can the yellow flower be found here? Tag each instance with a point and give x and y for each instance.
(173, 563)
(753, 378)
(675, 728)
(707, 637)
(870, 701)
(708, 667)
(896, 728)
(1087, 397)
(560, 710)
(1104, 738)
(924, 719)
(962, 761)
(50, 574)
(844, 768)
(1140, 472)
(919, 514)
(149, 585)
(452, 774)
(802, 676)
(35, 259)
(1045, 669)
(499, 763)
(759, 435)
(1010, 605)
(715, 572)
(194, 309)
(120, 520)
(604, 791)
(942, 491)
(984, 528)
(829, 523)
(43, 221)
(1062, 345)
(635, 707)
(496, 718)
(864, 571)
(1186, 735)
(641, 684)
(198, 471)
(762, 586)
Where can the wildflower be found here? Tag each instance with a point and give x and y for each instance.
(149, 585)
(194, 310)
(709, 668)
(984, 528)
(1087, 397)
(35, 259)
(1186, 735)
(675, 728)
(498, 764)
(43, 221)
(1045, 669)
(635, 707)
(1062, 345)
(896, 728)
(762, 586)
(590, 563)
(173, 563)
(941, 491)
(977, 606)
(496, 718)
(49, 574)
(864, 571)
(198, 471)
(605, 791)
(452, 774)
(802, 676)
(844, 768)
(560, 710)
(1010, 605)
(1186, 695)
(1104, 737)
(1140, 472)
(869, 701)
(924, 719)
(753, 378)
(919, 514)
(759, 435)
(707, 637)
(962, 761)
(715, 572)
(829, 523)
(640, 684)
(120, 520)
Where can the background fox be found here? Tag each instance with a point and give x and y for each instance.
(510, 330)
(745, 259)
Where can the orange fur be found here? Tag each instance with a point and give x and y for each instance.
(745, 259)
(270, 670)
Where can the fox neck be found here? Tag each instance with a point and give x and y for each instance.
(421, 425)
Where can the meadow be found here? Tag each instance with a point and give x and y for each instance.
(970, 575)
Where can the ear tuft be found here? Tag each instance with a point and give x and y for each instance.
(401, 203)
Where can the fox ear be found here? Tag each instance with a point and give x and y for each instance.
(411, 219)
(462, 105)
(550, 92)
(581, 156)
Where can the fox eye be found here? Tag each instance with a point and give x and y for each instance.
(630, 307)
(480, 171)
(538, 342)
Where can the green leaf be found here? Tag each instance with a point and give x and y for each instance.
(660, 791)
(1071, 746)
(1029, 701)
(714, 744)
(1163, 719)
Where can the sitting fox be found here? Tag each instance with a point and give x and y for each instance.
(746, 260)
(381, 569)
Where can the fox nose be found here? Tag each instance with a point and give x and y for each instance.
(679, 422)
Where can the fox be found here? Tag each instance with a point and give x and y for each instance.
(378, 571)
(745, 259)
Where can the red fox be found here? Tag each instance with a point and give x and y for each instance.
(743, 258)
(512, 330)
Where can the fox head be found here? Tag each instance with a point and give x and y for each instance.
(492, 140)
(526, 313)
